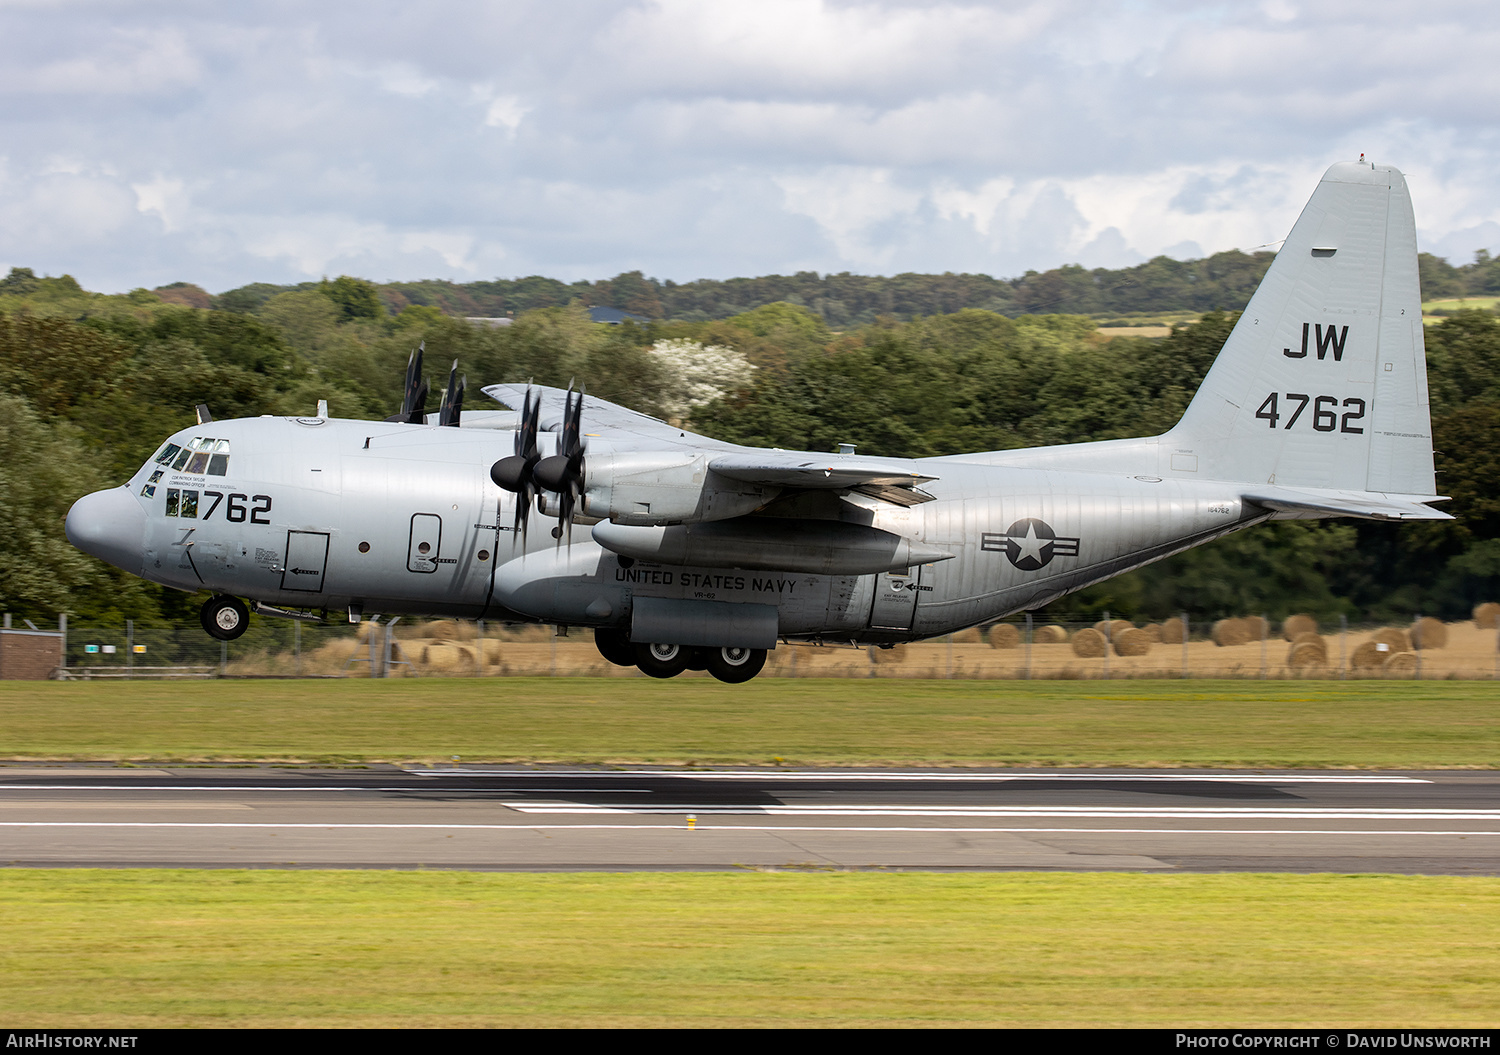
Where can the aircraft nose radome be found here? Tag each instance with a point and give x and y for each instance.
(110, 525)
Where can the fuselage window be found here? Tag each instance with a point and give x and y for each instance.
(182, 503)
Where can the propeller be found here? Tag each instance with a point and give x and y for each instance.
(453, 398)
(414, 401)
(515, 473)
(563, 472)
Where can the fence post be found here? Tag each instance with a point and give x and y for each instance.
(1265, 629)
(1184, 645)
(129, 647)
(1343, 647)
(1108, 643)
(1416, 634)
(223, 658)
(1028, 646)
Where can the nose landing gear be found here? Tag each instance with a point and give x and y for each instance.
(224, 617)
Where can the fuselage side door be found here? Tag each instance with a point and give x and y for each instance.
(422, 550)
(306, 560)
(895, 599)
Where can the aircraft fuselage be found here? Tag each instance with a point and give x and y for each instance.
(312, 513)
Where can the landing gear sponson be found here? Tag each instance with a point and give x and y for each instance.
(733, 665)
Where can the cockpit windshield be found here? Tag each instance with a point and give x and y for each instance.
(202, 455)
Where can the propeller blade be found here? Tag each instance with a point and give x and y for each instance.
(414, 395)
(517, 472)
(563, 473)
(452, 407)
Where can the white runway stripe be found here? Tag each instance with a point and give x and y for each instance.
(1111, 778)
(1219, 812)
(742, 828)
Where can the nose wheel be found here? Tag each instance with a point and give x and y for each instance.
(224, 617)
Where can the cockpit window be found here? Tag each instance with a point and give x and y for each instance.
(218, 461)
(202, 454)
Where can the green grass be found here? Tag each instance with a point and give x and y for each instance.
(135, 949)
(1460, 304)
(836, 722)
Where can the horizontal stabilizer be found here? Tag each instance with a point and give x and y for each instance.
(1345, 504)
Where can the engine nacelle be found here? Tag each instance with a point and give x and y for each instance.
(665, 487)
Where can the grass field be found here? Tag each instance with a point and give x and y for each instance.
(1405, 724)
(129, 949)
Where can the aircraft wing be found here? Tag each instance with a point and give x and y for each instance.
(1366, 505)
(813, 472)
(602, 416)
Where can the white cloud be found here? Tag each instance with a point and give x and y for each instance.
(262, 142)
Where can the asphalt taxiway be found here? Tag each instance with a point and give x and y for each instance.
(498, 818)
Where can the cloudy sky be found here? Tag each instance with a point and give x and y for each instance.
(153, 141)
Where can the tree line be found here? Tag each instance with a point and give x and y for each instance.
(90, 385)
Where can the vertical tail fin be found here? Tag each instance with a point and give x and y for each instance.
(1323, 383)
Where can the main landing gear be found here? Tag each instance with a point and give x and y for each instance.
(224, 617)
(733, 665)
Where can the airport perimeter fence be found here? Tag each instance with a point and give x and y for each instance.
(1017, 648)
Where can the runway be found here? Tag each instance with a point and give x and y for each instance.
(541, 819)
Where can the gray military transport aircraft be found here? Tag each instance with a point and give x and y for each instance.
(683, 552)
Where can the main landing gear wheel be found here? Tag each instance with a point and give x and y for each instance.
(224, 617)
(662, 661)
(735, 665)
(615, 646)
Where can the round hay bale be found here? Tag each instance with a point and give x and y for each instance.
(1132, 642)
(1231, 632)
(1309, 643)
(1050, 635)
(1113, 627)
(1258, 627)
(443, 630)
(1311, 638)
(1171, 631)
(1396, 639)
(1088, 643)
(1298, 624)
(444, 655)
(1487, 615)
(971, 636)
(1401, 663)
(894, 654)
(1307, 656)
(1370, 656)
(1152, 632)
(1005, 635)
(1429, 633)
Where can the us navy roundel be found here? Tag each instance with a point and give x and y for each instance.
(1029, 544)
